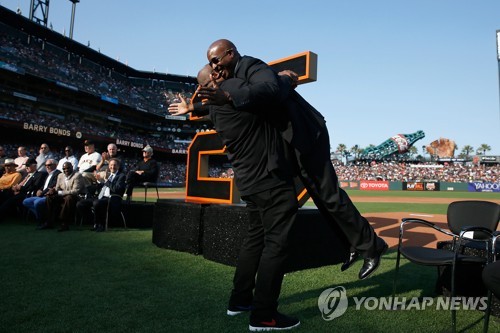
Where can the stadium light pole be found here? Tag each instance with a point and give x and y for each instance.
(73, 9)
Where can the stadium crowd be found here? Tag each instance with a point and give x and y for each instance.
(408, 172)
(171, 140)
(45, 60)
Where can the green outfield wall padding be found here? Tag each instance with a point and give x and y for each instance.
(457, 187)
(395, 186)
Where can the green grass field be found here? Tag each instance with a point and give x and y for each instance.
(118, 281)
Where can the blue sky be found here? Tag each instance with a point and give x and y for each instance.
(384, 67)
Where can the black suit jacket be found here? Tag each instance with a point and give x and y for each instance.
(255, 147)
(35, 183)
(52, 182)
(118, 185)
(299, 122)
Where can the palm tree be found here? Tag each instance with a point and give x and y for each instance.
(483, 148)
(466, 150)
(356, 151)
(341, 148)
(412, 151)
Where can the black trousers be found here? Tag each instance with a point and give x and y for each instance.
(61, 208)
(134, 179)
(100, 207)
(320, 179)
(491, 278)
(271, 214)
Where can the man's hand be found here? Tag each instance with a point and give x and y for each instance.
(214, 96)
(292, 75)
(178, 109)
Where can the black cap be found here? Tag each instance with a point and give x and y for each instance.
(88, 142)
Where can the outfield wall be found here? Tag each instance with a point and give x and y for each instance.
(375, 185)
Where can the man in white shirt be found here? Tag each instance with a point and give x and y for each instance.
(68, 157)
(21, 159)
(88, 163)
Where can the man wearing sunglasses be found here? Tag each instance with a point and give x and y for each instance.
(43, 156)
(37, 204)
(304, 128)
(264, 179)
(68, 157)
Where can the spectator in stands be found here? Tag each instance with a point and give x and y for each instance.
(44, 155)
(88, 163)
(27, 187)
(10, 178)
(37, 203)
(62, 199)
(68, 157)
(147, 171)
(109, 199)
(3, 156)
(21, 159)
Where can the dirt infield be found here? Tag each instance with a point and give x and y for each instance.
(387, 224)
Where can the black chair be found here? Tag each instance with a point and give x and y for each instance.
(490, 294)
(147, 185)
(479, 217)
(108, 215)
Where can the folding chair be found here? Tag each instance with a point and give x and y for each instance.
(479, 217)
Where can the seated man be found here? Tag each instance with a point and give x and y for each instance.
(37, 204)
(10, 178)
(68, 157)
(21, 159)
(106, 156)
(88, 163)
(61, 200)
(45, 154)
(147, 171)
(27, 187)
(110, 195)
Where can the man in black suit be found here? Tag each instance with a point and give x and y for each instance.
(109, 198)
(27, 187)
(304, 128)
(37, 203)
(264, 180)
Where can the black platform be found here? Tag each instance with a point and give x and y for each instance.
(217, 231)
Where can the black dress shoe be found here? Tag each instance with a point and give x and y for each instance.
(371, 264)
(349, 261)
